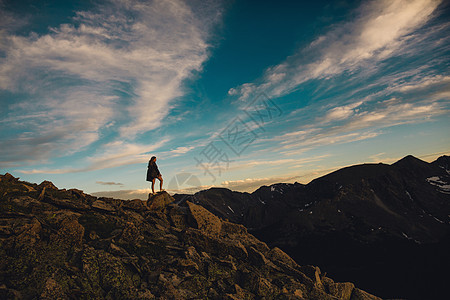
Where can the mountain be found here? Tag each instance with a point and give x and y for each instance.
(65, 244)
(356, 223)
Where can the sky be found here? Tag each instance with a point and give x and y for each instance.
(233, 94)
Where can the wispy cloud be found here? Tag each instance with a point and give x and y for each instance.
(365, 124)
(380, 30)
(122, 63)
(108, 183)
(114, 154)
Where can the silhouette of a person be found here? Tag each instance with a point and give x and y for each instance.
(153, 173)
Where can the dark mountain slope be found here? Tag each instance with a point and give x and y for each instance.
(357, 222)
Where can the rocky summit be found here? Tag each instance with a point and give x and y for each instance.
(65, 244)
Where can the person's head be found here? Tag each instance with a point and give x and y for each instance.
(153, 159)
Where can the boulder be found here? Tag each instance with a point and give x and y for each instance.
(204, 220)
(102, 205)
(159, 201)
(136, 204)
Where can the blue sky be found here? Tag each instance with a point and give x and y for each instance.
(234, 94)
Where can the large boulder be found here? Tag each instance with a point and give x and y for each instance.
(159, 201)
(204, 220)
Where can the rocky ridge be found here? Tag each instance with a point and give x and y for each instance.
(65, 244)
(358, 222)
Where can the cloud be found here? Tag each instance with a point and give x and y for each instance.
(182, 150)
(380, 30)
(108, 183)
(247, 164)
(365, 124)
(122, 63)
(251, 184)
(341, 112)
(111, 155)
(425, 83)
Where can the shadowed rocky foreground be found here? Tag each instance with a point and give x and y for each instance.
(65, 244)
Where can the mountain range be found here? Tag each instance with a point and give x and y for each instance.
(384, 227)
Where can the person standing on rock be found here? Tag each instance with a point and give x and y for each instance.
(153, 173)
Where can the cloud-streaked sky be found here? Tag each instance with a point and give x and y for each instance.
(232, 93)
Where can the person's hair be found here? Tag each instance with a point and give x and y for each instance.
(153, 158)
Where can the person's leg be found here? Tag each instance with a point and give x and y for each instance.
(153, 185)
(160, 182)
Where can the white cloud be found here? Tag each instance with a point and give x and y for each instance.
(379, 31)
(361, 125)
(182, 150)
(108, 183)
(122, 63)
(341, 112)
(111, 155)
(424, 83)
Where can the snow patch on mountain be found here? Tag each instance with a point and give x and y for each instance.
(443, 186)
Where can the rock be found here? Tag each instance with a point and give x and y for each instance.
(29, 188)
(136, 204)
(204, 220)
(66, 203)
(276, 254)
(70, 234)
(159, 201)
(341, 290)
(215, 245)
(257, 258)
(358, 294)
(192, 253)
(48, 185)
(53, 290)
(6, 293)
(233, 229)
(135, 251)
(118, 251)
(130, 234)
(262, 287)
(102, 205)
(313, 273)
(178, 217)
(9, 178)
(29, 233)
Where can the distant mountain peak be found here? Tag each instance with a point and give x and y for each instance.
(409, 159)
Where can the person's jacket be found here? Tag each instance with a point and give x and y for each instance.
(152, 171)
